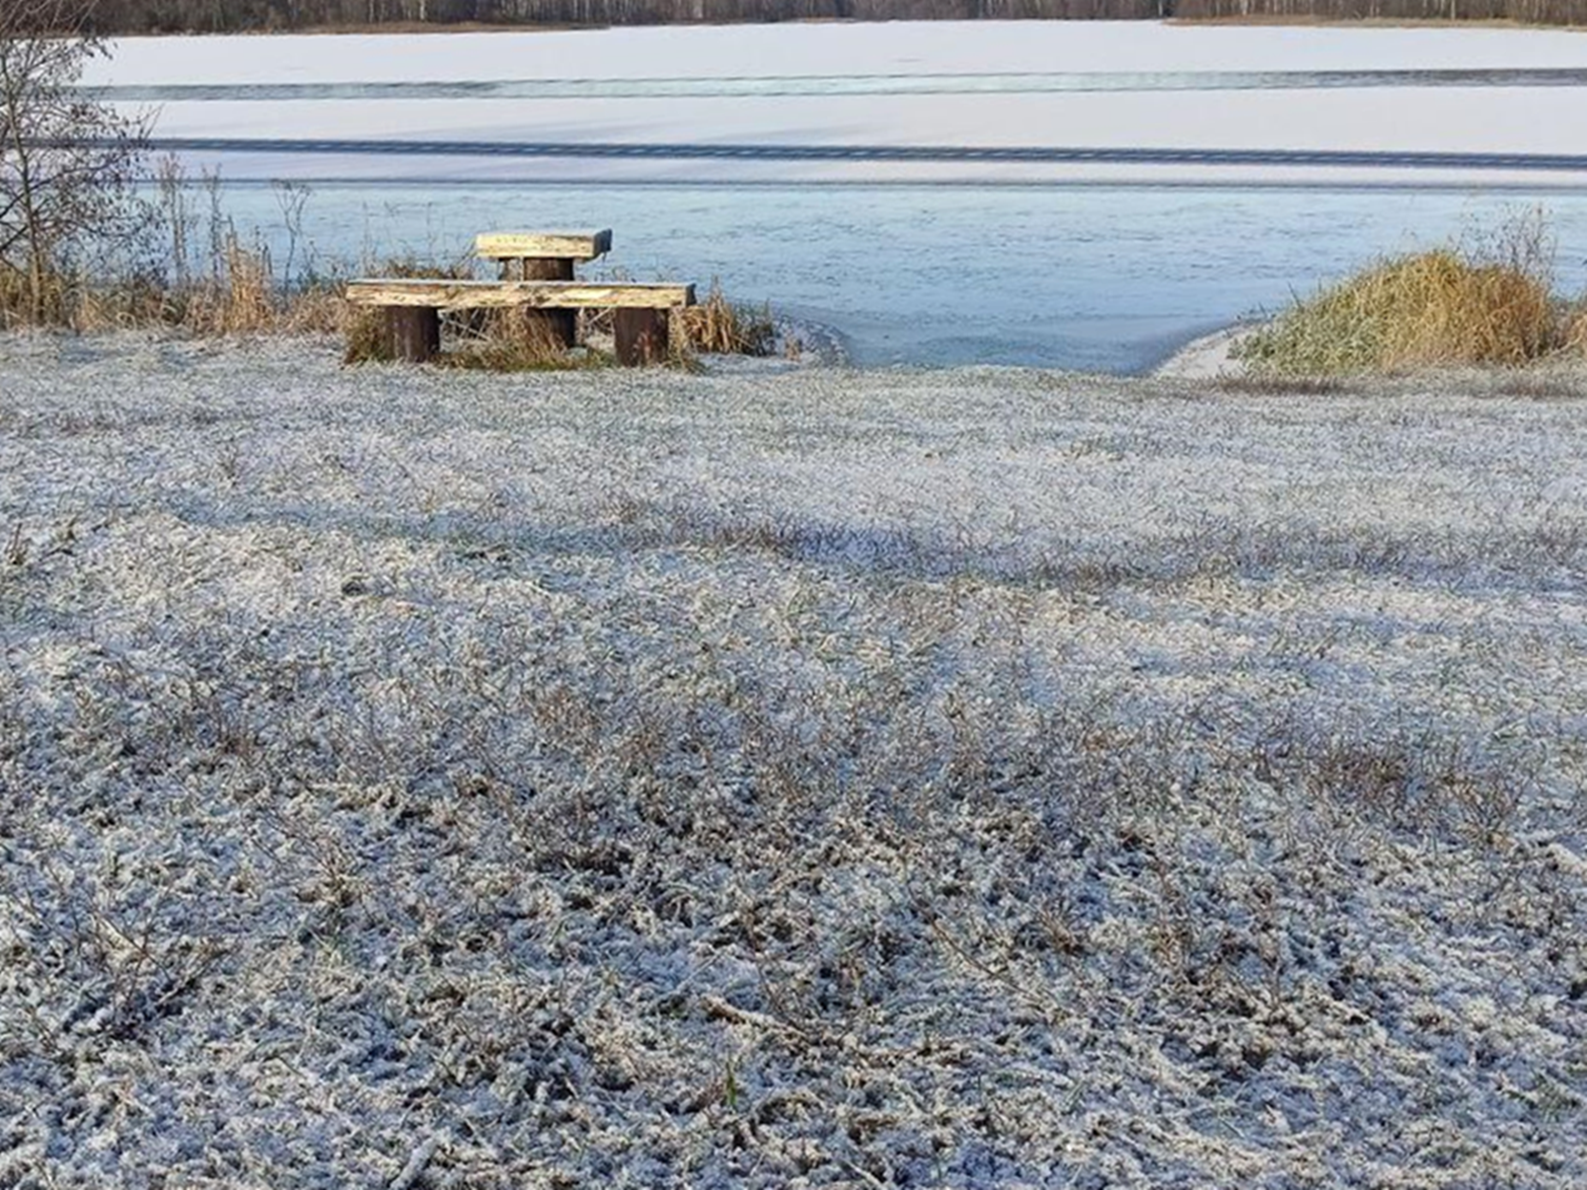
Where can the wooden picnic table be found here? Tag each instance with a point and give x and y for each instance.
(537, 276)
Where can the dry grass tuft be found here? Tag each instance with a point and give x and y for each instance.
(1261, 385)
(240, 295)
(365, 337)
(238, 299)
(719, 327)
(506, 341)
(1530, 387)
(17, 306)
(1485, 304)
(1576, 336)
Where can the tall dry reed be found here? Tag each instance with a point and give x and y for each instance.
(721, 327)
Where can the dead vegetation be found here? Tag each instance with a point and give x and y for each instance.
(189, 269)
(212, 280)
(1487, 302)
(720, 327)
(1268, 384)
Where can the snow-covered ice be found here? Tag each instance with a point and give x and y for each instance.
(1407, 118)
(897, 47)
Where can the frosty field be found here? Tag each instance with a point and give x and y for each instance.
(966, 778)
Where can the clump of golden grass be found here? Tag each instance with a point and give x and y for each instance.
(237, 298)
(720, 327)
(20, 307)
(364, 333)
(1484, 304)
(1270, 385)
(1576, 336)
(240, 295)
(507, 341)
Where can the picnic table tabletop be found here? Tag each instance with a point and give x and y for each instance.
(542, 245)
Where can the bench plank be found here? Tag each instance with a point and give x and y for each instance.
(563, 295)
(520, 245)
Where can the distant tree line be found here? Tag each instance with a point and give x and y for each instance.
(157, 16)
(1539, 12)
(123, 16)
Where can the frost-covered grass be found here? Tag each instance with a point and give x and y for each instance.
(966, 778)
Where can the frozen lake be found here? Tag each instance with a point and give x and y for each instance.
(1104, 278)
(1067, 194)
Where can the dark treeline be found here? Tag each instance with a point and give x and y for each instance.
(123, 16)
(1541, 12)
(157, 16)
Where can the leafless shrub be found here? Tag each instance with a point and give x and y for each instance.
(67, 164)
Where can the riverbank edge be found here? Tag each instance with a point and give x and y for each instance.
(1208, 357)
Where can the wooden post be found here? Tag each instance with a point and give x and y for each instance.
(641, 336)
(413, 332)
(558, 327)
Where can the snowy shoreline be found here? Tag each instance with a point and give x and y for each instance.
(1206, 357)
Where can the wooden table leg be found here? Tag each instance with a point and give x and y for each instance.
(413, 332)
(559, 328)
(641, 336)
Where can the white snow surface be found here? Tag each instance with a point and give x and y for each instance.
(900, 47)
(970, 778)
(1517, 119)
(1500, 119)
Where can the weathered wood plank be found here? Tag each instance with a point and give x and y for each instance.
(536, 268)
(569, 245)
(468, 295)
